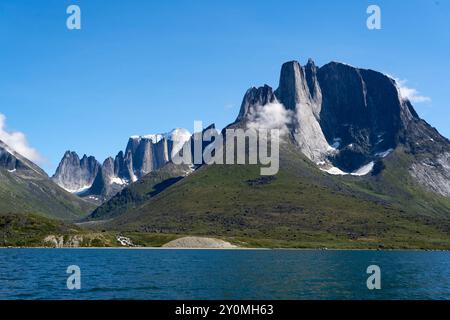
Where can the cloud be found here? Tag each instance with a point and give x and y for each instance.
(18, 142)
(270, 116)
(411, 94)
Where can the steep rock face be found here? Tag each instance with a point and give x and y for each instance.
(255, 97)
(347, 120)
(107, 182)
(344, 116)
(362, 110)
(145, 154)
(298, 91)
(75, 175)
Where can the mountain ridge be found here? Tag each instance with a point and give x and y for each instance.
(306, 200)
(143, 154)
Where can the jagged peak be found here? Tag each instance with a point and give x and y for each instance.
(255, 96)
(310, 62)
(292, 79)
(70, 153)
(119, 155)
(109, 160)
(74, 155)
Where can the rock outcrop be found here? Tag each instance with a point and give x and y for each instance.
(75, 175)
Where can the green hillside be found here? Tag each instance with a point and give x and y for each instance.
(299, 207)
(137, 193)
(21, 192)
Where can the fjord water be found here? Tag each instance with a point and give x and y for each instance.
(222, 274)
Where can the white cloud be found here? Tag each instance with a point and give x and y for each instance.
(411, 94)
(270, 116)
(18, 142)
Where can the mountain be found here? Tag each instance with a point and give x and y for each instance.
(75, 175)
(26, 189)
(153, 183)
(347, 119)
(358, 168)
(143, 154)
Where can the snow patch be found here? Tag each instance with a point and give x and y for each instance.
(154, 137)
(179, 137)
(335, 171)
(119, 181)
(364, 170)
(384, 154)
(79, 190)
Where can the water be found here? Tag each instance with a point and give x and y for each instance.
(221, 274)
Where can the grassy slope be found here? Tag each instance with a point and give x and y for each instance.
(40, 196)
(300, 207)
(141, 191)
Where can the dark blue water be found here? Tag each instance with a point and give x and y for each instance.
(221, 274)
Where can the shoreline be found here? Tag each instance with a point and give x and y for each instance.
(231, 249)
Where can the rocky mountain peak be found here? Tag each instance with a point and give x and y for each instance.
(255, 97)
(291, 86)
(346, 117)
(76, 175)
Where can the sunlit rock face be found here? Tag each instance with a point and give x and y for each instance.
(347, 120)
(75, 174)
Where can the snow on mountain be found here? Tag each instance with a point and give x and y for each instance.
(143, 154)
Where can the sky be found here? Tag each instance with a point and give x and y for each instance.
(140, 67)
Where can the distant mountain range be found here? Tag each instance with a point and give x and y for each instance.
(143, 154)
(358, 167)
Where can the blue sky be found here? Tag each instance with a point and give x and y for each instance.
(139, 67)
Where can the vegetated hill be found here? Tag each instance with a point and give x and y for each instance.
(141, 191)
(25, 188)
(30, 230)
